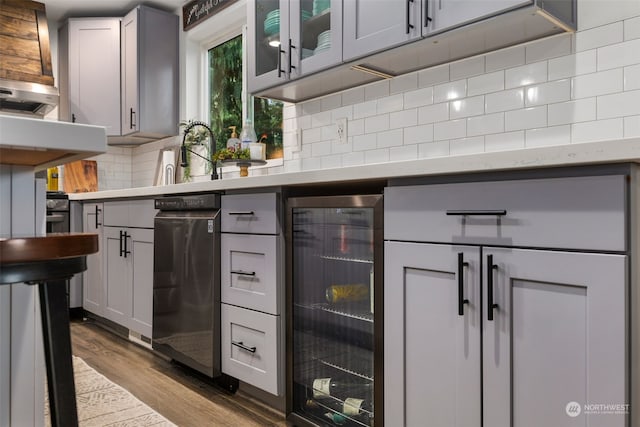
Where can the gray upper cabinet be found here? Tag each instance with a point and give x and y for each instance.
(289, 39)
(441, 15)
(89, 72)
(378, 25)
(149, 67)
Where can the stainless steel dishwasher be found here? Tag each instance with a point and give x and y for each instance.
(186, 281)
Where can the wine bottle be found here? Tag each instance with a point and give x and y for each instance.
(347, 293)
(324, 388)
(338, 411)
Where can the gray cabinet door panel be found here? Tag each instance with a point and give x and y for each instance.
(117, 298)
(141, 247)
(92, 282)
(447, 14)
(372, 26)
(558, 336)
(432, 354)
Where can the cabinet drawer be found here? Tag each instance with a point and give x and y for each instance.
(129, 213)
(571, 213)
(249, 271)
(250, 343)
(250, 213)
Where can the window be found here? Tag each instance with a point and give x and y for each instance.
(225, 101)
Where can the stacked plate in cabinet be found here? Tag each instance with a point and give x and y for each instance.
(324, 42)
(272, 21)
(320, 6)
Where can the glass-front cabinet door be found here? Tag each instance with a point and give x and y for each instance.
(288, 39)
(334, 289)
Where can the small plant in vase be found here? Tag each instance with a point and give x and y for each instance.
(231, 153)
(195, 140)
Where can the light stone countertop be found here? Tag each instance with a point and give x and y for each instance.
(590, 153)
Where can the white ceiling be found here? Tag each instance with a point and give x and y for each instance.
(59, 10)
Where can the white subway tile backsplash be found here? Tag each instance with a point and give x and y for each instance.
(353, 96)
(556, 135)
(330, 102)
(407, 152)
(403, 83)
(433, 76)
(303, 122)
(340, 148)
(504, 101)
(466, 107)
(418, 134)
(401, 119)
(632, 28)
(581, 110)
(365, 109)
(418, 98)
(619, 55)
(342, 112)
(619, 104)
(528, 118)
(599, 36)
(505, 58)
(376, 123)
(310, 107)
(485, 83)
(293, 165)
(487, 124)
(391, 138)
(504, 141)
(311, 163)
(433, 113)
(390, 103)
(289, 111)
(573, 65)
(376, 90)
(355, 127)
(355, 158)
(433, 149)
(449, 91)
(601, 83)
(328, 133)
(631, 77)
(312, 135)
(597, 130)
(365, 142)
(632, 126)
(321, 119)
(551, 47)
(376, 156)
(452, 129)
(332, 161)
(548, 93)
(526, 75)
(464, 146)
(466, 68)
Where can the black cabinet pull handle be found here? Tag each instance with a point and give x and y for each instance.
(242, 213)
(97, 210)
(244, 347)
(291, 67)
(121, 233)
(132, 123)
(461, 299)
(490, 304)
(409, 25)
(480, 212)
(73, 118)
(243, 273)
(280, 70)
(427, 18)
(125, 251)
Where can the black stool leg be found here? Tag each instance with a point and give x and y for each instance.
(57, 352)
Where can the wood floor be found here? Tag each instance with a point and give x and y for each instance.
(170, 389)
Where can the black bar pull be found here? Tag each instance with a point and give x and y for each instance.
(461, 299)
(243, 273)
(477, 212)
(125, 251)
(280, 70)
(244, 347)
(73, 118)
(121, 233)
(409, 25)
(427, 18)
(242, 213)
(490, 304)
(291, 67)
(132, 123)
(97, 210)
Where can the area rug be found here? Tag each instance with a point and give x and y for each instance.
(102, 403)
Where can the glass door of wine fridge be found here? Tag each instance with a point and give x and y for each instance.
(334, 324)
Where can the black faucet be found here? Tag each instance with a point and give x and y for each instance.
(212, 144)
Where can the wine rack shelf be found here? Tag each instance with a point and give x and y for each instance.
(345, 259)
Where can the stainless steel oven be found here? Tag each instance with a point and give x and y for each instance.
(186, 281)
(57, 212)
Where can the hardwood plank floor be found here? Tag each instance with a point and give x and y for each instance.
(170, 389)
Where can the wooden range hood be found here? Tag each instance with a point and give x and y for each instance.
(25, 52)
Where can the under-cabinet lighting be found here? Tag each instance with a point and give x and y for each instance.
(555, 21)
(369, 70)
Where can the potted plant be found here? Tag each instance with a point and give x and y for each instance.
(195, 140)
(231, 153)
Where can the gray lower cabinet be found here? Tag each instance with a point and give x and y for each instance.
(484, 325)
(92, 277)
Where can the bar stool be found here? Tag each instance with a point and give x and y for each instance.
(46, 261)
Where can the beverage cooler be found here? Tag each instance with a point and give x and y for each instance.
(334, 324)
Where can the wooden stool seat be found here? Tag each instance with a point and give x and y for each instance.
(46, 261)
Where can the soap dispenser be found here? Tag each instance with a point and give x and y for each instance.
(234, 141)
(248, 135)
